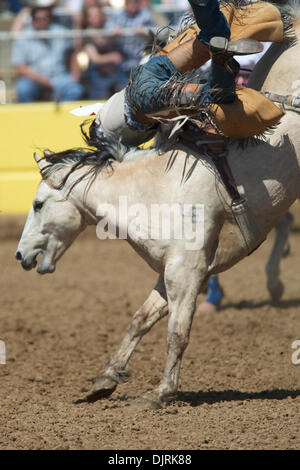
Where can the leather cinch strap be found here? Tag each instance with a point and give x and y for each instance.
(290, 101)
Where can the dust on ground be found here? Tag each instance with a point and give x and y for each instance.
(238, 388)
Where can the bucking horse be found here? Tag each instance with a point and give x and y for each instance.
(78, 186)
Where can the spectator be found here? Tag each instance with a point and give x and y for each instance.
(78, 9)
(79, 13)
(41, 63)
(103, 74)
(131, 47)
(23, 17)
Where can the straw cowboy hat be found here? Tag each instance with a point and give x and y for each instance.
(41, 3)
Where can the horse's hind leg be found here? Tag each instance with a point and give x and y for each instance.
(153, 309)
(274, 284)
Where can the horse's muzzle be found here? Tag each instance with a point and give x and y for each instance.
(19, 256)
(27, 263)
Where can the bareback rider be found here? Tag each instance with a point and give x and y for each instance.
(132, 114)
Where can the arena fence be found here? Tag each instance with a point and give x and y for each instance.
(7, 72)
(163, 15)
(25, 129)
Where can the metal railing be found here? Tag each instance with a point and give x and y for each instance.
(7, 72)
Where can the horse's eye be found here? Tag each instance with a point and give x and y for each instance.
(37, 205)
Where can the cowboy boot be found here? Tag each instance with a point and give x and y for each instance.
(211, 23)
(221, 79)
(224, 68)
(157, 89)
(261, 21)
(221, 45)
(194, 53)
(220, 87)
(178, 96)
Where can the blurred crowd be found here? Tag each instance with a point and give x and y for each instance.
(88, 67)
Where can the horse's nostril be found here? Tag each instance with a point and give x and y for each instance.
(18, 256)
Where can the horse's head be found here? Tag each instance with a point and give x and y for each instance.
(51, 226)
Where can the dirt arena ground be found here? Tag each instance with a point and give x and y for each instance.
(238, 389)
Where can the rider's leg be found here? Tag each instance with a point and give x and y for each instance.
(212, 23)
(210, 20)
(221, 80)
(214, 291)
(151, 90)
(213, 298)
(220, 86)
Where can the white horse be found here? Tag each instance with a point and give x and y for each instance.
(266, 174)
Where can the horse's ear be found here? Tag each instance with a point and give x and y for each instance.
(41, 162)
(54, 179)
(48, 152)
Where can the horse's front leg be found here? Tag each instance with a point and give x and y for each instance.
(183, 279)
(274, 284)
(153, 309)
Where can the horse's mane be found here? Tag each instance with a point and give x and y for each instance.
(292, 7)
(290, 15)
(99, 153)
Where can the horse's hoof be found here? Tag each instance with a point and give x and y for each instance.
(151, 401)
(276, 291)
(144, 403)
(103, 387)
